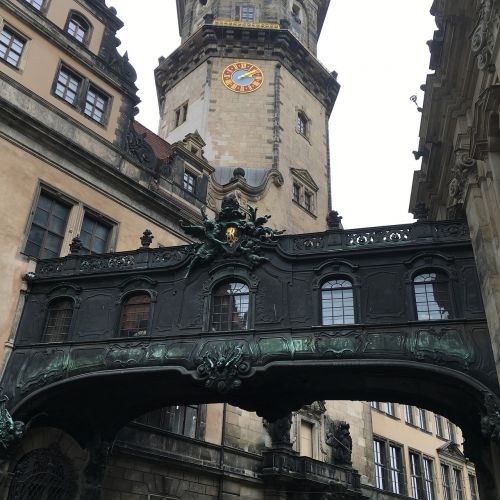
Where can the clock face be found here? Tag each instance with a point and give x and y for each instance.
(242, 77)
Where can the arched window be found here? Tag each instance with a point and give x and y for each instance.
(230, 307)
(58, 323)
(78, 28)
(432, 296)
(302, 124)
(44, 473)
(135, 315)
(337, 302)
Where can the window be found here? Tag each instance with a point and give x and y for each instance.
(422, 419)
(47, 228)
(189, 182)
(230, 304)
(451, 431)
(457, 484)
(81, 94)
(308, 201)
(95, 104)
(302, 124)
(183, 420)
(473, 487)
(94, 235)
(306, 439)
(37, 4)
(245, 13)
(375, 405)
(78, 28)
(296, 192)
(415, 476)
(389, 473)
(11, 47)
(337, 302)
(181, 114)
(438, 420)
(58, 323)
(409, 415)
(67, 85)
(432, 296)
(445, 478)
(390, 409)
(135, 315)
(428, 478)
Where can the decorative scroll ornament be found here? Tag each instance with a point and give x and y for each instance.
(222, 366)
(231, 234)
(464, 173)
(139, 149)
(483, 38)
(490, 421)
(10, 430)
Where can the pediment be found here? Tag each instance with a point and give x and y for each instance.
(304, 176)
(452, 450)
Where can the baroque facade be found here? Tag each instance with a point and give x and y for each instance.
(94, 181)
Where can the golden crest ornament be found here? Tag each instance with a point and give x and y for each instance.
(232, 236)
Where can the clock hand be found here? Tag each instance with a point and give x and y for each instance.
(248, 73)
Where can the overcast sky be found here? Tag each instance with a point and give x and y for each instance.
(378, 49)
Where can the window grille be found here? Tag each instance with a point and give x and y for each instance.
(432, 296)
(58, 323)
(135, 315)
(230, 303)
(337, 302)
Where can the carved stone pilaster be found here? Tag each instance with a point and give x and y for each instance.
(484, 36)
(464, 172)
(485, 137)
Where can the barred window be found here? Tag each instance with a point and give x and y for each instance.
(58, 323)
(67, 85)
(78, 28)
(95, 105)
(135, 315)
(230, 303)
(337, 302)
(432, 296)
(11, 47)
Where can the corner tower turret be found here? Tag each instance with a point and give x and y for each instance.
(246, 77)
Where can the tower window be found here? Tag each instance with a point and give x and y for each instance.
(59, 315)
(78, 28)
(11, 47)
(230, 304)
(337, 302)
(47, 228)
(181, 114)
(189, 182)
(302, 122)
(95, 104)
(67, 85)
(245, 13)
(432, 296)
(135, 315)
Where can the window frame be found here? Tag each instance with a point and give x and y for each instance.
(194, 184)
(85, 87)
(438, 272)
(385, 470)
(180, 114)
(88, 33)
(331, 279)
(446, 484)
(422, 419)
(67, 335)
(43, 7)
(409, 415)
(15, 33)
(249, 312)
(303, 124)
(130, 294)
(103, 221)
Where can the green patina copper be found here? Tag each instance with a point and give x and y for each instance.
(230, 234)
(10, 430)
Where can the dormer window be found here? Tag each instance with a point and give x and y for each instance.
(189, 182)
(78, 28)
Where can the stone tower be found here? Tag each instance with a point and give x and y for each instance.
(247, 79)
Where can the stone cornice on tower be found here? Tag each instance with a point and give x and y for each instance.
(249, 43)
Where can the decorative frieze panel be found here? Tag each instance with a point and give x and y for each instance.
(485, 34)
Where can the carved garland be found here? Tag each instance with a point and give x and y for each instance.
(483, 38)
